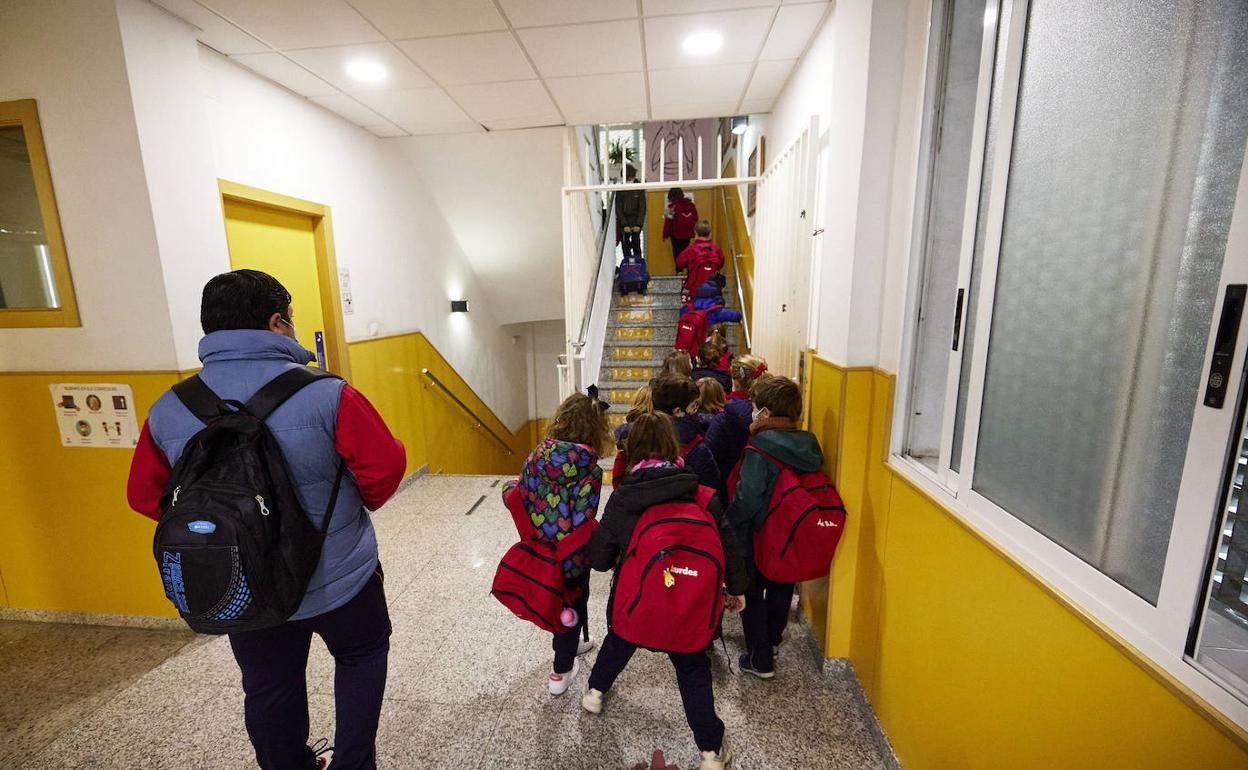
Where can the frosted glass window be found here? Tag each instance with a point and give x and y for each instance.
(1129, 137)
(960, 34)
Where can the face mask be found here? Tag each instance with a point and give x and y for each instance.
(289, 324)
(755, 415)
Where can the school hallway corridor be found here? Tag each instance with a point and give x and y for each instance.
(467, 683)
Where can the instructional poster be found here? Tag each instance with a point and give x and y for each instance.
(95, 415)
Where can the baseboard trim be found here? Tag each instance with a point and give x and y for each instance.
(840, 672)
(92, 619)
(413, 477)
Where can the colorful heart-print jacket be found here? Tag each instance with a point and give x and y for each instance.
(559, 486)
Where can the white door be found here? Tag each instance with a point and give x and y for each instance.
(782, 256)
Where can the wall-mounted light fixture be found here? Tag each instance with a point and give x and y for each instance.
(740, 123)
(459, 306)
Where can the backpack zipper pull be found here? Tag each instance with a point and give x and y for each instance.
(176, 490)
(263, 510)
(669, 580)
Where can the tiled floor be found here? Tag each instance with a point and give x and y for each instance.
(466, 688)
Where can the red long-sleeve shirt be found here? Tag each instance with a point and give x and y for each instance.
(374, 456)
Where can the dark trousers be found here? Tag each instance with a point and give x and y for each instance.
(679, 245)
(631, 242)
(274, 663)
(766, 614)
(693, 675)
(565, 644)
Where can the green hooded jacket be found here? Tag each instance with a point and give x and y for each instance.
(798, 449)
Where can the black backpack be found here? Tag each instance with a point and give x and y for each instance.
(234, 546)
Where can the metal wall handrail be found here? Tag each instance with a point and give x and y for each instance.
(736, 266)
(480, 423)
(593, 284)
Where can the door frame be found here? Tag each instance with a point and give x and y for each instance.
(326, 263)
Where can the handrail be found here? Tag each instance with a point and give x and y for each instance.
(480, 423)
(736, 267)
(593, 285)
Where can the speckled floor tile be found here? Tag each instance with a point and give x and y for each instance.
(466, 688)
(156, 724)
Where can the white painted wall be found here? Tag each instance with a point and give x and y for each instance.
(544, 344)
(499, 192)
(162, 59)
(67, 55)
(862, 78)
(405, 262)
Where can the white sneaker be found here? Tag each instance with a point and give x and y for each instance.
(585, 646)
(592, 701)
(716, 761)
(559, 683)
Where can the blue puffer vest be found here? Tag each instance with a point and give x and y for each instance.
(237, 363)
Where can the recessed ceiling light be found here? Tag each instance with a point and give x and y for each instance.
(367, 71)
(740, 124)
(703, 43)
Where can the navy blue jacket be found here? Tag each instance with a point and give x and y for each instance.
(727, 436)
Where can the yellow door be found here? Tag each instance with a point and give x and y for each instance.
(282, 244)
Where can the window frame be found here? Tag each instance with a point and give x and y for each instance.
(25, 113)
(1156, 635)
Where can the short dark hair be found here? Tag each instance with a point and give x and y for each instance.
(675, 193)
(780, 396)
(672, 391)
(242, 299)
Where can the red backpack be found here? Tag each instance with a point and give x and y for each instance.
(805, 521)
(707, 259)
(691, 330)
(668, 590)
(529, 580)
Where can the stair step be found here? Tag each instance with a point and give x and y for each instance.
(633, 316)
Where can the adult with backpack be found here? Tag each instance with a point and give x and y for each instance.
(555, 506)
(787, 513)
(674, 557)
(259, 471)
(680, 217)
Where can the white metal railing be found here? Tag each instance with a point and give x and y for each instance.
(587, 260)
(593, 335)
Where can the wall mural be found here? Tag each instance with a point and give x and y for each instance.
(672, 132)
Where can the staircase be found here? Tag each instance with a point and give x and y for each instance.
(640, 333)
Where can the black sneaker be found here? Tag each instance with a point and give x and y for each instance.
(747, 667)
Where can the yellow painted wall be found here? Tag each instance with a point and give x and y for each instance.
(68, 539)
(970, 662)
(282, 244)
(434, 429)
(659, 258)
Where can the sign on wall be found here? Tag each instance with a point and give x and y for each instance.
(95, 415)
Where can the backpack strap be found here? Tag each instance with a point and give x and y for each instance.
(692, 445)
(275, 392)
(196, 396)
(704, 497)
(576, 539)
